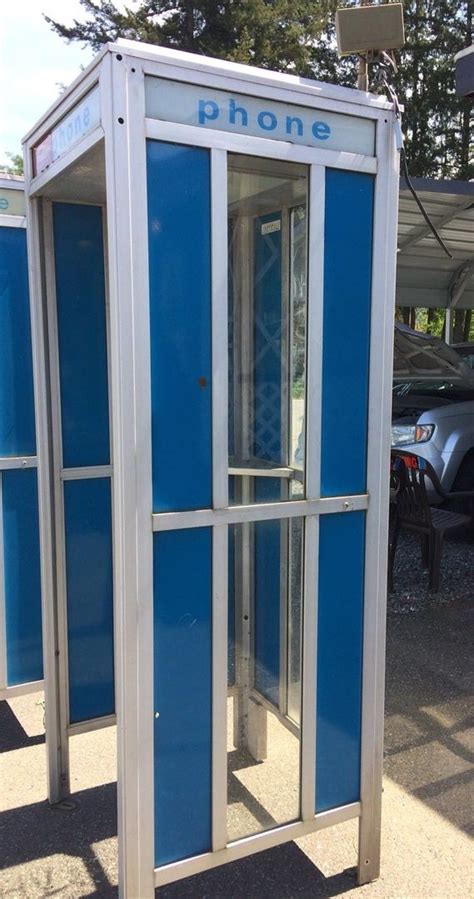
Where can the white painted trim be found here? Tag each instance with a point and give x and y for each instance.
(7, 463)
(219, 252)
(12, 221)
(251, 845)
(309, 667)
(380, 388)
(164, 521)
(14, 183)
(90, 471)
(40, 182)
(85, 727)
(220, 554)
(21, 690)
(63, 104)
(184, 66)
(257, 146)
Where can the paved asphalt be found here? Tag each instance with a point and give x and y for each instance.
(428, 796)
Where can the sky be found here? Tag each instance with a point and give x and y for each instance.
(34, 63)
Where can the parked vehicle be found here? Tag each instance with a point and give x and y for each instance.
(433, 406)
(466, 351)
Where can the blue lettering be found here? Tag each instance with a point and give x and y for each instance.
(234, 110)
(321, 130)
(267, 125)
(294, 120)
(208, 110)
(86, 117)
(4, 204)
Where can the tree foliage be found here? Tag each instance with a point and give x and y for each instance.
(276, 34)
(298, 36)
(16, 164)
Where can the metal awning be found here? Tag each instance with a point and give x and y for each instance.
(426, 277)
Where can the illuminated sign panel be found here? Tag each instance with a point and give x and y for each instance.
(83, 119)
(12, 202)
(204, 107)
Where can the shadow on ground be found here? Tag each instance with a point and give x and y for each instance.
(427, 752)
(429, 748)
(39, 830)
(12, 734)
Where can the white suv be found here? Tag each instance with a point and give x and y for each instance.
(433, 406)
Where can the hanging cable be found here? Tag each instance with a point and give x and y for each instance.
(387, 61)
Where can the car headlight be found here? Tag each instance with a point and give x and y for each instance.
(406, 434)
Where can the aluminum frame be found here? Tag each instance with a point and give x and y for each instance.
(121, 69)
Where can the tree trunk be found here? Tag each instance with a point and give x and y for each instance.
(413, 318)
(467, 325)
(458, 328)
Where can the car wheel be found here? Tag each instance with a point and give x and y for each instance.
(464, 479)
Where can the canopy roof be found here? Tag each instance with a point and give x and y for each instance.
(426, 277)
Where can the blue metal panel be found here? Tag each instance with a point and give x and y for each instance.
(17, 414)
(88, 535)
(339, 680)
(182, 692)
(82, 334)
(180, 325)
(347, 294)
(22, 576)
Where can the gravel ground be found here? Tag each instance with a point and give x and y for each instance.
(411, 582)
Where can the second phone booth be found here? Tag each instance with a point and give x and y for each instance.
(212, 256)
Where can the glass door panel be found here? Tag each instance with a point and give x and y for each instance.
(267, 328)
(264, 704)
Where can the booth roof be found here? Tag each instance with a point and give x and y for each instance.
(426, 276)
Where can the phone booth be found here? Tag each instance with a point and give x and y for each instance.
(21, 662)
(212, 268)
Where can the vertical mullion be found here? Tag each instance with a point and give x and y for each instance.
(220, 492)
(378, 455)
(53, 724)
(3, 623)
(219, 685)
(309, 663)
(58, 487)
(312, 465)
(314, 337)
(219, 252)
(122, 91)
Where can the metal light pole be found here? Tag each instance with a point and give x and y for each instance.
(363, 73)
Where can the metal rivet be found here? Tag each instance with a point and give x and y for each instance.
(120, 120)
(157, 714)
(119, 57)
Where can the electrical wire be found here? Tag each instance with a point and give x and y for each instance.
(385, 60)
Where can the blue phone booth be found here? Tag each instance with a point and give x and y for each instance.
(21, 661)
(217, 246)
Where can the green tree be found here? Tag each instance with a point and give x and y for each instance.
(436, 122)
(16, 164)
(299, 36)
(276, 34)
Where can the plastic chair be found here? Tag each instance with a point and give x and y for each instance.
(413, 511)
